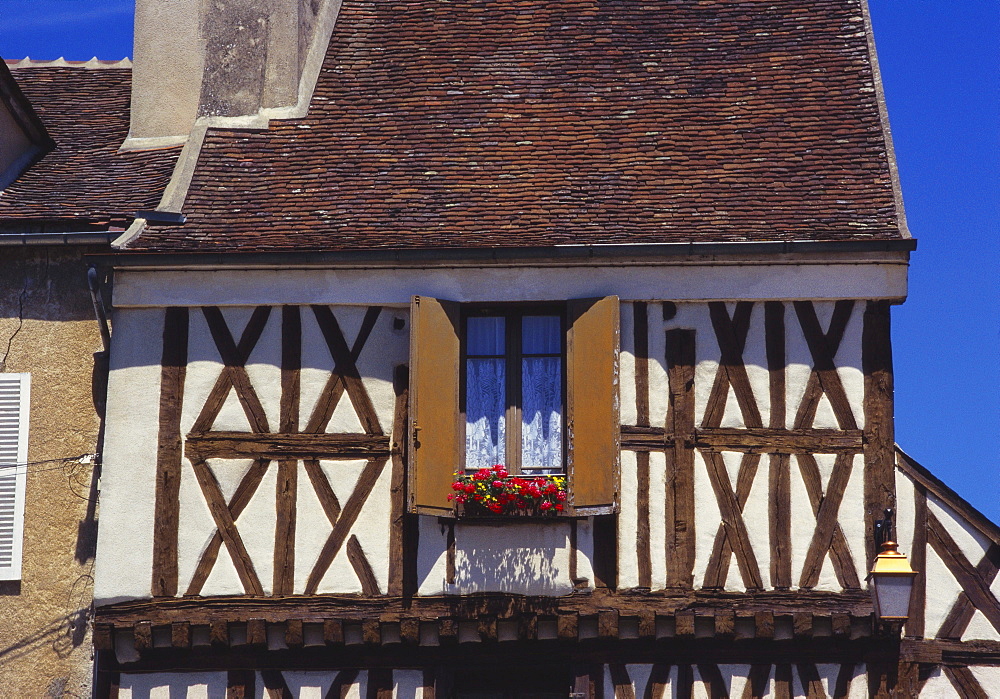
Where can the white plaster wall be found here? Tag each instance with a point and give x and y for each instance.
(124, 562)
(530, 559)
(125, 535)
(989, 679)
(173, 685)
(875, 278)
(736, 679)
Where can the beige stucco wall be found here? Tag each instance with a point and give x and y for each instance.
(47, 319)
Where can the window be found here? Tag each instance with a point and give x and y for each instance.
(512, 392)
(14, 389)
(532, 386)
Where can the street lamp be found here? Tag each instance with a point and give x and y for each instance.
(891, 578)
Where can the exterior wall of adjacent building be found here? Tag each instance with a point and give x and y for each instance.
(47, 329)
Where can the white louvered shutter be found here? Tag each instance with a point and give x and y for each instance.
(14, 389)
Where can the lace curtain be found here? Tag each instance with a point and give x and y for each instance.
(541, 394)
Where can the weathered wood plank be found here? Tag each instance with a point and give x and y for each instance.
(294, 637)
(241, 683)
(965, 682)
(963, 609)
(840, 552)
(362, 568)
(659, 679)
(234, 371)
(762, 440)
(275, 686)
(397, 492)
(605, 563)
(168, 452)
(842, 690)
(756, 686)
(880, 448)
(642, 544)
(333, 391)
(680, 519)
(711, 678)
(409, 631)
(640, 342)
(607, 623)
(379, 683)
(218, 633)
(366, 481)
(967, 576)
(324, 493)
(684, 624)
(283, 579)
(780, 521)
(342, 683)
(918, 561)
(764, 623)
(275, 446)
(621, 681)
(257, 632)
(371, 631)
(226, 526)
(732, 518)
(291, 365)
(647, 624)
(725, 623)
(567, 626)
(333, 632)
(774, 343)
(811, 682)
(783, 688)
(241, 498)
(827, 522)
(731, 335)
(668, 603)
(823, 348)
(142, 634)
(718, 564)
(685, 681)
(180, 634)
(345, 366)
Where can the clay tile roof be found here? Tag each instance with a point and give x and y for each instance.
(83, 183)
(483, 123)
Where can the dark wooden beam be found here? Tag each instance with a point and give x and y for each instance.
(249, 445)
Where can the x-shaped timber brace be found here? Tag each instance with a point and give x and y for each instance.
(286, 447)
(679, 439)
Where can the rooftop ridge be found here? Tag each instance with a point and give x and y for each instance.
(93, 64)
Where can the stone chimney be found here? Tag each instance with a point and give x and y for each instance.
(225, 58)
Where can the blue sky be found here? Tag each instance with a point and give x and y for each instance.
(940, 62)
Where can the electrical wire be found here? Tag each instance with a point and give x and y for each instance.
(62, 463)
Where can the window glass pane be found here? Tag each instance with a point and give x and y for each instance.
(541, 335)
(485, 336)
(485, 409)
(541, 415)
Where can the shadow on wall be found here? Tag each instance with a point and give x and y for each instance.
(527, 559)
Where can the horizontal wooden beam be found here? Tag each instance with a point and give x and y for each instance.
(250, 445)
(501, 656)
(756, 440)
(945, 652)
(203, 610)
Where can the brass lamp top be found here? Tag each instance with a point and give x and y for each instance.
(891, 562)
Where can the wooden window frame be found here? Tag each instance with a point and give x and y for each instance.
(512, 314)
(591, 423)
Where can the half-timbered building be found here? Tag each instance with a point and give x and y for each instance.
(647, 251)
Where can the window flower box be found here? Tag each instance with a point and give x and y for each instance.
(493, 492)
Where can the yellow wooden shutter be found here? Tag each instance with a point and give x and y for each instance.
(434, 409)
(592, 404)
